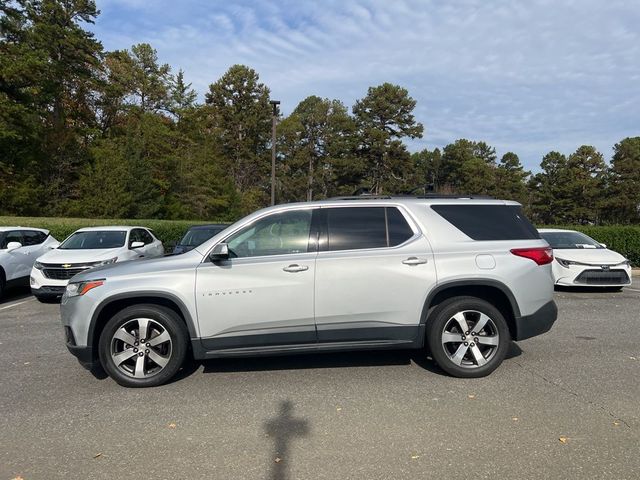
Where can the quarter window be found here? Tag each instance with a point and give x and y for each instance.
(399, 229)
(489, 222)
(278, 234)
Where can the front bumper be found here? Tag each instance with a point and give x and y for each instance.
(592, 275)
(44, 287)
(537, 323)
(46, 292)
(75, 314)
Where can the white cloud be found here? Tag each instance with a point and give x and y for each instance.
(523, 76)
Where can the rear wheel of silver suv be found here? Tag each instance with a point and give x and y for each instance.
(468, 337)
(143, 346)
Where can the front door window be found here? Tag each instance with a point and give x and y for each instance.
(283, 233)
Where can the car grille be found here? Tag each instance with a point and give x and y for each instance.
(603, 277)
(58, 272)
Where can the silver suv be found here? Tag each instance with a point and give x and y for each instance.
(459, 276)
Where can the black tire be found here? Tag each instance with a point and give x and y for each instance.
(168, 320)
(2, 283)
(443, 317)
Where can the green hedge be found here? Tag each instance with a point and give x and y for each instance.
(624, 239)
(169, 231)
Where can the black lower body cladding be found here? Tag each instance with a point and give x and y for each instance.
(537, 323)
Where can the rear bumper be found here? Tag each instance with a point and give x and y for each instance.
(537, 323)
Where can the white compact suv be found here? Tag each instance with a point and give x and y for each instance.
(463, 277)
(580, 261)
(19, 248)
(88, 248)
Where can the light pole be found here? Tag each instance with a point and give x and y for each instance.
(274, 120)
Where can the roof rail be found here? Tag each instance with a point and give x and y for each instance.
(364, 196)
(425, 196)
(457, 195)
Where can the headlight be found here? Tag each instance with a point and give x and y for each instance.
(106, 262)
(37, 265)
(80, 288)
(565, 263)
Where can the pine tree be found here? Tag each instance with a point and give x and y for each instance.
(384, 117)
(623, 202)
(240, 115)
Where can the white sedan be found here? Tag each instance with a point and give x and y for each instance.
(88, 248)
(580, 261)
(19, 248)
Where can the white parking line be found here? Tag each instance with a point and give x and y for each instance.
(632, 289)
(15, 304)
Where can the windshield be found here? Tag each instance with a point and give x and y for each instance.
(196, 237)
(94, 240)
(569, 240)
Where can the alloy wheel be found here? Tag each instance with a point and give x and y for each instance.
(141, 348)
(470, 339)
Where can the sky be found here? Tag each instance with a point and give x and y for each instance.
(524, 76)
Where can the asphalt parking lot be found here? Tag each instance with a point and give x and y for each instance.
(563, 405)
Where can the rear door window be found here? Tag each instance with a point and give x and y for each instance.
(33, 237)
(489, 222)
(356, 228)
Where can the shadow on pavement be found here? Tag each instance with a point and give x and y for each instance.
(310, 360)
(282, 429)
(325, 360)
(14, 294)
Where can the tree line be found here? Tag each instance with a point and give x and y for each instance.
(117, 134)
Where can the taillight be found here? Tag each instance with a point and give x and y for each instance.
(540, 255)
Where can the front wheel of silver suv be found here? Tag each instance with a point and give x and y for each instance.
(143, 346)
(468, 337)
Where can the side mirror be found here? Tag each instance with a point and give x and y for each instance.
(219, 252)
(11, 246)
(135, 245)
(53, 246)
(604, 245)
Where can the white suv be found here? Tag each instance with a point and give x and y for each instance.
(87, 248)
(19, 248)
(461, 276)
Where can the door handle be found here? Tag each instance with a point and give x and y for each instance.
(295, 268)
(414, 261)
